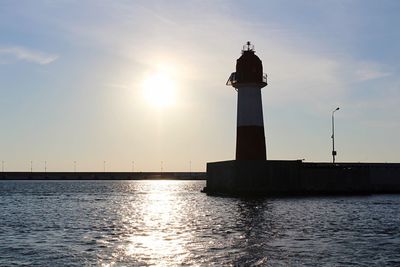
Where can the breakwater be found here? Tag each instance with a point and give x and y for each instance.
(286, 177)
(102, 175)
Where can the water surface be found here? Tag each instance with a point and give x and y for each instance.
(125, 223)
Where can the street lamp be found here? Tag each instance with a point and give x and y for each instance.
(334, 153)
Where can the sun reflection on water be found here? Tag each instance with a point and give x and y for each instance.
(155, 239)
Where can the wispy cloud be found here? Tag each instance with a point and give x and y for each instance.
(26, 54)
(370, 71)
(116, 85)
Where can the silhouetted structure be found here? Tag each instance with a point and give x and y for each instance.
(248, 81)
(252, 174)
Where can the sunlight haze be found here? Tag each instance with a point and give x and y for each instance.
(144, 81)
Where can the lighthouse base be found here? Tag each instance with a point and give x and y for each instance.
(276, 177)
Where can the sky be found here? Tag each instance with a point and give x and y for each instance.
(76, 80)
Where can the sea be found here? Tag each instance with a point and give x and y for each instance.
(171, 223)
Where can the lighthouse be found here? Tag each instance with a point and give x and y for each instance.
(248, 81)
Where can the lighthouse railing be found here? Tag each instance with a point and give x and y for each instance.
(232, 79)
(264, 78)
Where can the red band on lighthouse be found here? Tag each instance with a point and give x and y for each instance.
(250, 139)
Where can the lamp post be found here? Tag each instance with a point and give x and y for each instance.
(334, 153)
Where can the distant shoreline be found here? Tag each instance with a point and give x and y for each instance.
(102, 175)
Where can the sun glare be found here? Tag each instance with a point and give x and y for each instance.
(159, 89)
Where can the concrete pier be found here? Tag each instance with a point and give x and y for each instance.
(279, 177)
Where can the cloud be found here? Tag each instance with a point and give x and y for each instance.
(369, 71)
(302, 69)
(116, 85)
(25, 54)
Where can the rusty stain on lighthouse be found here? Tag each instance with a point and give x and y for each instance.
(248, 81)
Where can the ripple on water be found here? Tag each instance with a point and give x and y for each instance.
(75, 223)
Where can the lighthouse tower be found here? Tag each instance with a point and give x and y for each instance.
(248, 81)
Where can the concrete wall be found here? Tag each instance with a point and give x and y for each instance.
(295, 177)
(385, 177)
(329, 178)
(252, 177)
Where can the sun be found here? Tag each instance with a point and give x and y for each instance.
(159, 89)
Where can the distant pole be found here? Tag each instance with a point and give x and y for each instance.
(334, 153)
(31, 166)
(74, 166)
(45, 166)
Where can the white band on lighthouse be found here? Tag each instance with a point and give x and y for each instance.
(249, 111)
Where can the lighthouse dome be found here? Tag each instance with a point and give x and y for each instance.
(249, 67)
